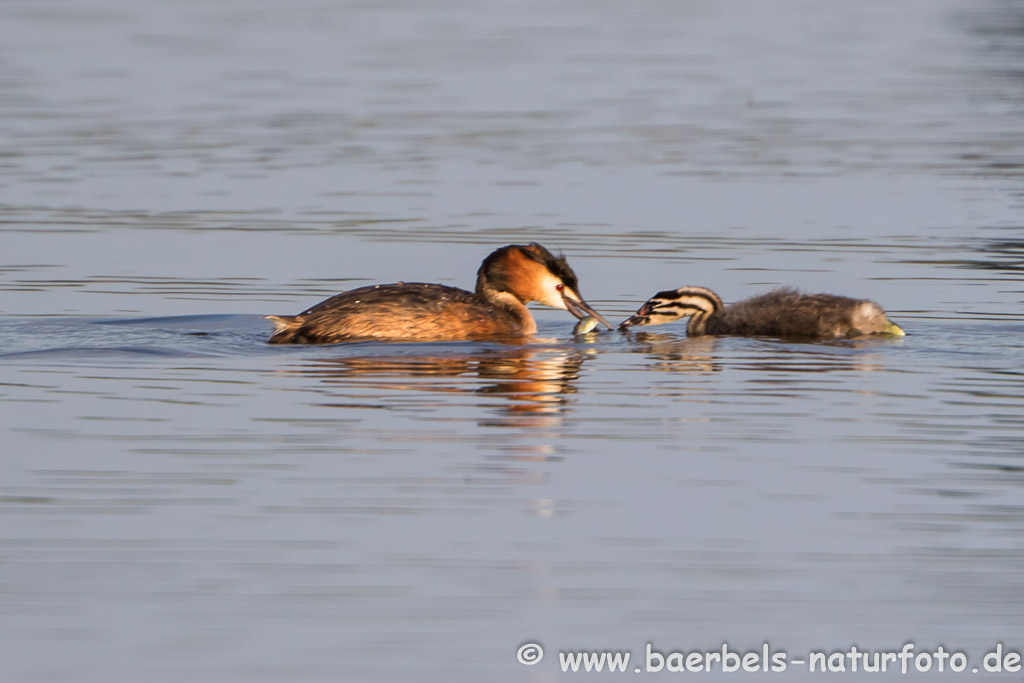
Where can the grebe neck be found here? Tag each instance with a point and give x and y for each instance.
(700, 303)
(511, 304)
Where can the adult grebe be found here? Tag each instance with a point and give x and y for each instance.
(779, 313)
(508, 279)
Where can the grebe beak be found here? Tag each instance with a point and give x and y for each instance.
(581, 309)
(641, 317)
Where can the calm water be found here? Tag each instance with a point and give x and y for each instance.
(181, 501)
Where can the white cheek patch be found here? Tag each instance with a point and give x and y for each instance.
(549, 294)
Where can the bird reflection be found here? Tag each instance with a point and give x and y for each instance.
(672, 354)
(535, 382)
(701, 355)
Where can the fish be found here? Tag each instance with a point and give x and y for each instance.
(585, 325)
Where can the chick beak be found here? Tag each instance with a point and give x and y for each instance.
(635, 319)
(641, 317)
(581, 309)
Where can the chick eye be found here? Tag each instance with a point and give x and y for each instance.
(559, 287)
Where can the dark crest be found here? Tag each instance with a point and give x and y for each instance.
(492, 267)
(556, 264)
(667, 294)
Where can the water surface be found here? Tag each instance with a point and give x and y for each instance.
(181, 500)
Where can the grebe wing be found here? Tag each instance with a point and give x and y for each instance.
(412, 311)
(407, 294)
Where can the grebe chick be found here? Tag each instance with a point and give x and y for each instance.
(779, 313)
(508, 279)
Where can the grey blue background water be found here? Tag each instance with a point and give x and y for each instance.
(180, 501)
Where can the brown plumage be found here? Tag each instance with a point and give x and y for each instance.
(508, 279)
(779, 313)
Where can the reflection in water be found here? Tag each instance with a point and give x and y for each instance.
(535, 383)
(693, 354)
(702, 355)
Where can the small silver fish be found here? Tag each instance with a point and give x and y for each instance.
(585, 325)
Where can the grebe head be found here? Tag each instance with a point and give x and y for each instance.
(673, 304)
(532, 273)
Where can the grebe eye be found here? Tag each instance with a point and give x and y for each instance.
(559, 287)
